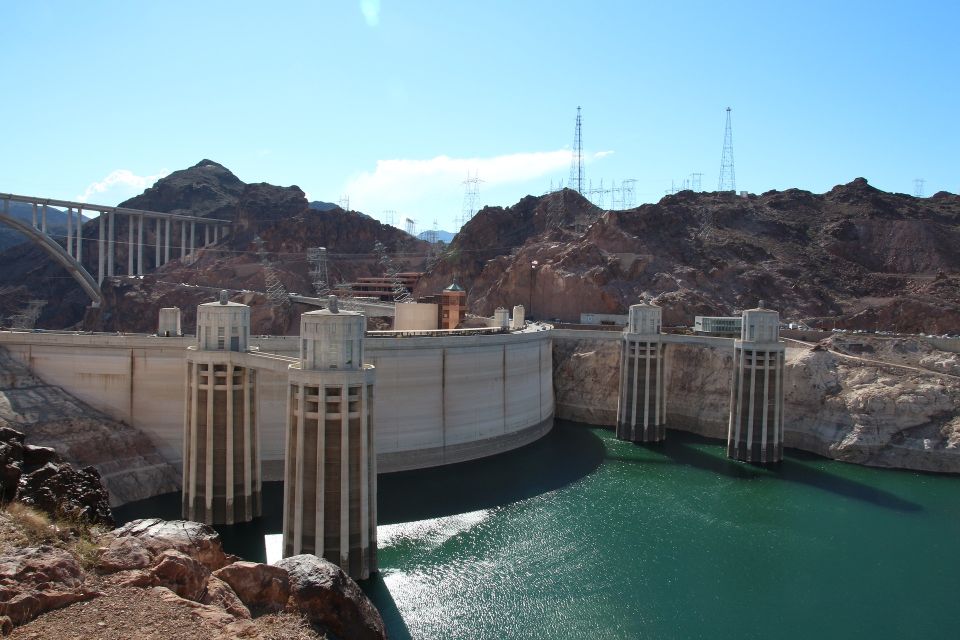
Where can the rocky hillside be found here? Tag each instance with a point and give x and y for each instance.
(281, 216)
(854, 257)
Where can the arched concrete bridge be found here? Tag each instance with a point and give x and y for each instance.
(70, 254)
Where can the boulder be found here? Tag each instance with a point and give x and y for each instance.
(330, 599)
(123, 554)
(34, 580)
(219, 594)
(61, 490)
(260, 587)
(154, 536)
(181, 574)
(34, 456)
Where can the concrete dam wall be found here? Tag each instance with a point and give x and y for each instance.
(438, 400)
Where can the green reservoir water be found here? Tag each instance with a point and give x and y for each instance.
(582, 536)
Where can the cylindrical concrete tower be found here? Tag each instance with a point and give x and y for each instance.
(642, 403)
(221, 449)
(518, 320)
(755, 432)
(330, 490)
(501, 318)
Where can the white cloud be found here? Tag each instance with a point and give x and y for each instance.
(119, 185)
(407, 180)
(433, 188)
(371, 11)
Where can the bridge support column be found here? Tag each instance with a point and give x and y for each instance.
(69, 244)
(140, 268)
(156, 240)
(100, 248)
(129, 245)
(166, 247)
(111, 233)
(193, 236)
(34, 214)
(43, 219)
(755, 431)
(641, 406)
(206, 235)
(79, 248)
(183, 239)
(216, 233)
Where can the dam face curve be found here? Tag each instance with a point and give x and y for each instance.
(438, 399)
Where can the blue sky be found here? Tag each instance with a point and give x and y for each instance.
(391, 103)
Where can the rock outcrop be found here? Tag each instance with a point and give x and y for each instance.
(584, 373)
(124, 457)
(330, 599)
(39, 478)
(38, 579)
(140, 543)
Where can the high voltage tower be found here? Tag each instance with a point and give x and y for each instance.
(918, 187)
(276, 293)
(695, 181)
(319, 270)
(576, 161)
(471, 197)
(410, 226)
(391, 271)
(432, 235)
(389, 215)
(620, 197)
(344, 202)
(728, 180)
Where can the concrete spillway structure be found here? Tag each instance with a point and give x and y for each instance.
(330, 489)
(755, 431)
(221, 457)
(642, 403)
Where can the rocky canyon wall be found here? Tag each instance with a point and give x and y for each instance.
(836, 405)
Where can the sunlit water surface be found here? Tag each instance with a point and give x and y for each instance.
(582, 536)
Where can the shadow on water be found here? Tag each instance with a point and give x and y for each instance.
(679, 449)
(377, 590)
(568, 453)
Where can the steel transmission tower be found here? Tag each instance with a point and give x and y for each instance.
(576, 161)
(918, 187)
(319, 270)
(695, 181)
(471, 196)
(728, 180)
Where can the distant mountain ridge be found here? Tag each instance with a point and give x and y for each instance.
(442, 236)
